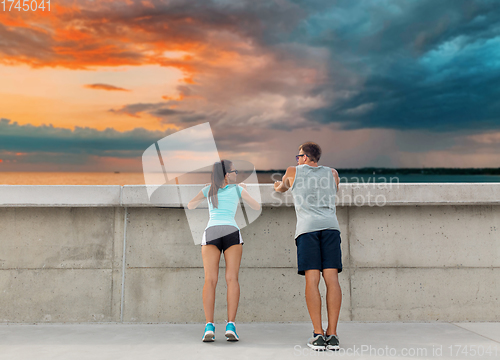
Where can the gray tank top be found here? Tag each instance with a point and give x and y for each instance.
(314, 191)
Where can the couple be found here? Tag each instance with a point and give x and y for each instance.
(317, 238)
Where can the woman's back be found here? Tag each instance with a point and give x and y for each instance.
(228, 198)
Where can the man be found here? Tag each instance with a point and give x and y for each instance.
(317, 237)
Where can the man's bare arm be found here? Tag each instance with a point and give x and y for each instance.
(336, 177)
(287, 181)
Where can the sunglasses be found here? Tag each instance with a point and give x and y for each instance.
(297, 156)
(235, 171)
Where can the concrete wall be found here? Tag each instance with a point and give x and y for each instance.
(411, 252)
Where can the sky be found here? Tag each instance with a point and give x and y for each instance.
(91, 84)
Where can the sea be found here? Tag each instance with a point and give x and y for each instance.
(264, 177)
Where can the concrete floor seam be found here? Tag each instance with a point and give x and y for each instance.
(498, 342)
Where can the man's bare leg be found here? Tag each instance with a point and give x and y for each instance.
(313, 299)
(333, 299)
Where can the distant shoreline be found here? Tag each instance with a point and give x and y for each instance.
(408, 171)
(365, 175)
(365, 170)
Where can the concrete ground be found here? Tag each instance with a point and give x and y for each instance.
(258, 341)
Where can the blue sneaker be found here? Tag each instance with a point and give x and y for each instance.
(209, 334)
(231, 332)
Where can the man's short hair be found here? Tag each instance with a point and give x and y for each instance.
(312, 150)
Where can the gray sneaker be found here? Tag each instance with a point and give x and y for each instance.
(332, 342)
(317, 343)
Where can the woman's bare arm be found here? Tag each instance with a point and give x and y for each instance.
(196, 200)
(254, 204)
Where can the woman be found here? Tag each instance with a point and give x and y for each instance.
(222, 235)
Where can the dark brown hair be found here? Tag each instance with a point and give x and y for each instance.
(312, 150)
(219, 172)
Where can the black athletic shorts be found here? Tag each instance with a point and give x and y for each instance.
(319, 250)
(222, 236)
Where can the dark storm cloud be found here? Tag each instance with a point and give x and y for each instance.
(413, 64)
(49, 139)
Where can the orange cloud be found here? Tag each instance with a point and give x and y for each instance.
(86, 35)
(176, 98)
(221, 72)
(105, 87)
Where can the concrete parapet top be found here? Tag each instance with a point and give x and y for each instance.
(356, 194)
(60, 195)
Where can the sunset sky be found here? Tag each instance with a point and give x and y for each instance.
(90, 85)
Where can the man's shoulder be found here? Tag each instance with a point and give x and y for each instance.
(333, 170)
(291, 172)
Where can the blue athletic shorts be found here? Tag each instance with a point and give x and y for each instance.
(318, 250)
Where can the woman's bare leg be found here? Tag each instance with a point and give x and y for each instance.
(211, 258)
(233, 259)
